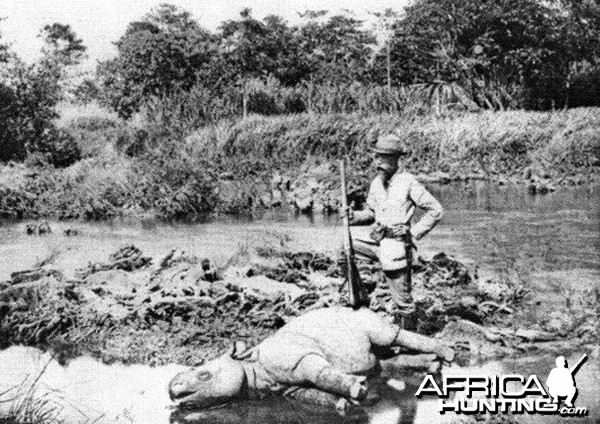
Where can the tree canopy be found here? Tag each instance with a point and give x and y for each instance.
(505, 53)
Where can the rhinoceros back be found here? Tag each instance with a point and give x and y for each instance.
(340, 335)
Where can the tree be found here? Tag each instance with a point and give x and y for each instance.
(386, 21)
(62, 51)
(338, 50)
(61, 45)
(251, 49)
(581, 31)
(29, 94)
(28, 98)
(164, 52)
(490, 47)
(4, 50)
(287, 60)
(168, 18)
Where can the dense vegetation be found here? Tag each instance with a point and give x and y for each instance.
(473, 53)
(230, 166)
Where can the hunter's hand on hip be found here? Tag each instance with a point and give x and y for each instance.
(348, 210)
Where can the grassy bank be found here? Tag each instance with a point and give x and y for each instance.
(151, 168)
(558, 144)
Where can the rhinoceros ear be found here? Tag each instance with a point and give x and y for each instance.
(238, 350)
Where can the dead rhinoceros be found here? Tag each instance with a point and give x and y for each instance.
(318, 357)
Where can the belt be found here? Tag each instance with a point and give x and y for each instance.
(381, 232)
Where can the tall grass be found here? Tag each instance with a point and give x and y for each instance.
(27, 405)
(508, 143)
(199, 106)
(227, 166)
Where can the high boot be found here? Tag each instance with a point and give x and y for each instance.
(398, 284)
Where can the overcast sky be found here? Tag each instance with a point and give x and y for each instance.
(101, 22)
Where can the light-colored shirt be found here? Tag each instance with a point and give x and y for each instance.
(397, 203)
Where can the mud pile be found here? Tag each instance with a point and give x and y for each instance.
(182, 309)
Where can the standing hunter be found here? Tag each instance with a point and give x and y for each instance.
(393, 198)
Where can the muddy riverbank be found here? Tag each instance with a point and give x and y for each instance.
(180, 308)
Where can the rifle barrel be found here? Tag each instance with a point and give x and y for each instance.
(352, 276)
(575, 367)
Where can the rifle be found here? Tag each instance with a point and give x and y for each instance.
(408, 249)
(355, 297)
(578, 364)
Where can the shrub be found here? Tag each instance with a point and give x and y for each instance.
(96, 134)
(29, 95)
(57, 146)
(174, 182)
(131, 141)
(585, 89)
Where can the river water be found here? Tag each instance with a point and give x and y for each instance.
(545, 241)
(490, 227)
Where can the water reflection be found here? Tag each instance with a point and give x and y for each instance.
(268, 411)
(493, 227)
(384, 406)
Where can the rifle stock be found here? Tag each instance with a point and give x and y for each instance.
(355, 298)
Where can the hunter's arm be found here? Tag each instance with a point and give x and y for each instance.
(367, 215)
(364, 217)
(433, 209)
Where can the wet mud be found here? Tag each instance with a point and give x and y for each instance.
(183, 309)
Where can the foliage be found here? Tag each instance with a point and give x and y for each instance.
(25, 403)
(447, 53)
(97, 135)
(61, 45)
(481, 144)
(29, 95)
(584, 87)
(161, 53)
(28, 98)
(228, 166)
(337, 49)
(160, 60)
(57, 147)
(496, 45)
(86, 92)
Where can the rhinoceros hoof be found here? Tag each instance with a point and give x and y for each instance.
(359, 389)
(342, 406)
(446, 353)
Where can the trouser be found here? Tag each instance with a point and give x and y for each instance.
(392, 256)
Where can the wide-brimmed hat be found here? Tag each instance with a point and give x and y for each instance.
(390, 144)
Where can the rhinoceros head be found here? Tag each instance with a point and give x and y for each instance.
(215, 382)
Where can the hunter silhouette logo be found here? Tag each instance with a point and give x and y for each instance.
(510, 393)
(561, 381)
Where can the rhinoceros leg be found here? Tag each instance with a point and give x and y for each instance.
(383, 333)
(420, 343)
(318, 397)
(316, 370)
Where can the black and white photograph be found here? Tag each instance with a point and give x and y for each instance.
(299, 212)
